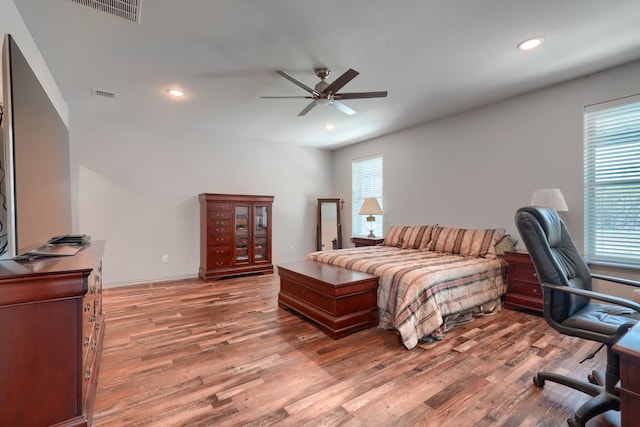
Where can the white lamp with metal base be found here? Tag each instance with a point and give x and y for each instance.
(549, 198)
(371, 207)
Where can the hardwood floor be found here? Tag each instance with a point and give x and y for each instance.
(194, 353)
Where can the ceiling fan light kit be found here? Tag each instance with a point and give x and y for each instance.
(327, 94)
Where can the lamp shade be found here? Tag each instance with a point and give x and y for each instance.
(549, 198)
(370, 206)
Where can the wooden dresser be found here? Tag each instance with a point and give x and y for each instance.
(51, 332)
(523, 287)
(235, 235)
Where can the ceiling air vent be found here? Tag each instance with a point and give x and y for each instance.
(103, 94)
(127, 9)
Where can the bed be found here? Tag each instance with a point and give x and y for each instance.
(431, 277)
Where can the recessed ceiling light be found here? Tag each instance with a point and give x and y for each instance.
(531, 43)
(329, 126)
(175, 92)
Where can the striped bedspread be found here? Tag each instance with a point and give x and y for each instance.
(420, 291)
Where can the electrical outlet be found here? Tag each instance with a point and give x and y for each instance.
(165, 258)
(291, 248)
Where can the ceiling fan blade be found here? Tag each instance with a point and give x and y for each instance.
(340, 106)
(307, 108)
(337, 84)
(297, 82)
(356, 95)
(287, 97)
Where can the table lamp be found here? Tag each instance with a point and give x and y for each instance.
(371, 207)
(549, 198)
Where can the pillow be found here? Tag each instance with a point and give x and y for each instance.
(416, 236)
(394, 236)
(507, 243)
(469, 242)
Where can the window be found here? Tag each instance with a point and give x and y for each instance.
(366, 181)
(612, 182)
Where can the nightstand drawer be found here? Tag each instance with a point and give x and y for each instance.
(523, 274)
(523, 287)
(526, 289)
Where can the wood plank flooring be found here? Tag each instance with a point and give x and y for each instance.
(194, 353)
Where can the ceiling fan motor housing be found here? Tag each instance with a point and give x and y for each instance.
(323, 73)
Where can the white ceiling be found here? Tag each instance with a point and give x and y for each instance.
(434, 57)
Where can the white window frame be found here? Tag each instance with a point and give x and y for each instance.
(366, 181)
(612, 182)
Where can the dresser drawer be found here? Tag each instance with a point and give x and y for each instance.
(214, 216)
(220, 251)
(219, 239)
(221, 228)
(218, 262)
(219, 206)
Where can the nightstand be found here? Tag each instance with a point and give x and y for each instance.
(523, 287)
(366, 241)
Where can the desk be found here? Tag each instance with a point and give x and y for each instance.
(629, 350)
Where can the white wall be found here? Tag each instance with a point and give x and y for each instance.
(477, 168)
(11, 22)
(136, 184)
(137, 187)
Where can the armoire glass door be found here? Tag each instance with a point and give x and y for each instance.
(260, 232)
(243, 236)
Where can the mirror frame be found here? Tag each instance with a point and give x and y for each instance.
(338, 203)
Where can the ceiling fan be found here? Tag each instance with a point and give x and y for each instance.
(327, 94)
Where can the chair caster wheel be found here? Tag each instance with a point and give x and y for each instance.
(539, 382)
(592, 379)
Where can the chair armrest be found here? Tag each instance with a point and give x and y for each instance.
(594, 295)
(616, 280)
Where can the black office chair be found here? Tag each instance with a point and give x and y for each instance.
(568, 306)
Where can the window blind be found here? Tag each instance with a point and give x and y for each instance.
(612, 182)
(366, 181)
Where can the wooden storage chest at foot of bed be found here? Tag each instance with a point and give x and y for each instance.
(338, 300)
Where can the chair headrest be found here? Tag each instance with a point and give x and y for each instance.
(549, 221)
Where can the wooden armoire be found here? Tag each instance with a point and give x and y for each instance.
(235, 235)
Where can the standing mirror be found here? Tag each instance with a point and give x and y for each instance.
(329, 225)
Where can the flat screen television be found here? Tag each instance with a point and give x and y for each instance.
(35, 187)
